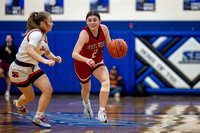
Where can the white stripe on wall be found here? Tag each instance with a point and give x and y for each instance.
(159, 41)
(151, 82)
(160, 66)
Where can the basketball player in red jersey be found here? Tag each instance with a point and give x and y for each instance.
(88, 55)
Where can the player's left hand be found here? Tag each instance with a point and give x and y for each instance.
(58, 59)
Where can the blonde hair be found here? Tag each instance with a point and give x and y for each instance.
(34, 20)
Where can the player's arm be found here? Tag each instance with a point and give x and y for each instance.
(51, 56)
(83, 38)
(106, 34)
(34, 39)
(31, 52)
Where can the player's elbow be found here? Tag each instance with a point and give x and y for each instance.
(73, 55)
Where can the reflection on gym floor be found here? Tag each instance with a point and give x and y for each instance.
(153, 114)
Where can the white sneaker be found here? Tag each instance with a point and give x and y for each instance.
(7, 94)
(88, 110)
(40, 121)
(102, 116)
(21, 110)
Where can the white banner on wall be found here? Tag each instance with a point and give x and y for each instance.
(145, 5)
(14, 7)
(191, 5)
(99, 5)
(54, 6)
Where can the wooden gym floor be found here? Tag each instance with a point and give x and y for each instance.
(152, 114)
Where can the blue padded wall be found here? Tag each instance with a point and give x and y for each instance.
(65, 34)
(62, 76)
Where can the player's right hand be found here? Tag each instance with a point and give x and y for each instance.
(90, 62)
(49, 62)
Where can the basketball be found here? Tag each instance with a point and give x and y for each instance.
(118, 48)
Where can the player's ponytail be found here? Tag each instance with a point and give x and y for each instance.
(34, 20)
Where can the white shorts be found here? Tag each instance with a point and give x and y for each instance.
(23, 76)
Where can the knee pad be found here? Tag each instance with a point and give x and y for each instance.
(105, 85)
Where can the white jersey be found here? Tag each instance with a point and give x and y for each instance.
(36, 38)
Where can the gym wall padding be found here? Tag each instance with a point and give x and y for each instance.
(64, 35)
(62, 76)
(168, 62)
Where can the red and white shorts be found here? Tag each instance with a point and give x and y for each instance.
(23, 76)
(84, 71)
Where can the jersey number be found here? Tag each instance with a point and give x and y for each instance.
(94, 53)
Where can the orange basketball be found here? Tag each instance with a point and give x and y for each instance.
(118, 48)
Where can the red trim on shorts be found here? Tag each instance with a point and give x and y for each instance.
(19, 83)
(26, 81)
(82, 81)
(101, 64)
(33, 74)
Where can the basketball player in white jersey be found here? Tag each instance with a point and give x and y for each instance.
(24, 71)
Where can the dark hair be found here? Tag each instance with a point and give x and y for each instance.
(93, 13)
(114, 67)
(34, 20)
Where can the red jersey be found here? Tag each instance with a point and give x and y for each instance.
(94, 48)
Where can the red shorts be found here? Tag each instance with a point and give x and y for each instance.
(84, 71)
(4, 66)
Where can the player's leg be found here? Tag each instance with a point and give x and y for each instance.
(8, 81)
(18, 75)
(85, 93)
(44, 85)
(27, 96)
(101, 73)
(83, 72)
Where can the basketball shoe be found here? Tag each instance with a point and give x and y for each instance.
(40, 121)
(21, 110)
(88, 110)
(102, 116)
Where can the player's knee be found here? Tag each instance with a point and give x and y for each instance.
(48, 91)
(85, 90)
(30, 98)
(105, 85)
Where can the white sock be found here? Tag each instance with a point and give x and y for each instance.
(39, 114)
(101, 109)
(87, 105)
(16, 104)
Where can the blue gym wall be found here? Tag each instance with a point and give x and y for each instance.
(65, 34)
